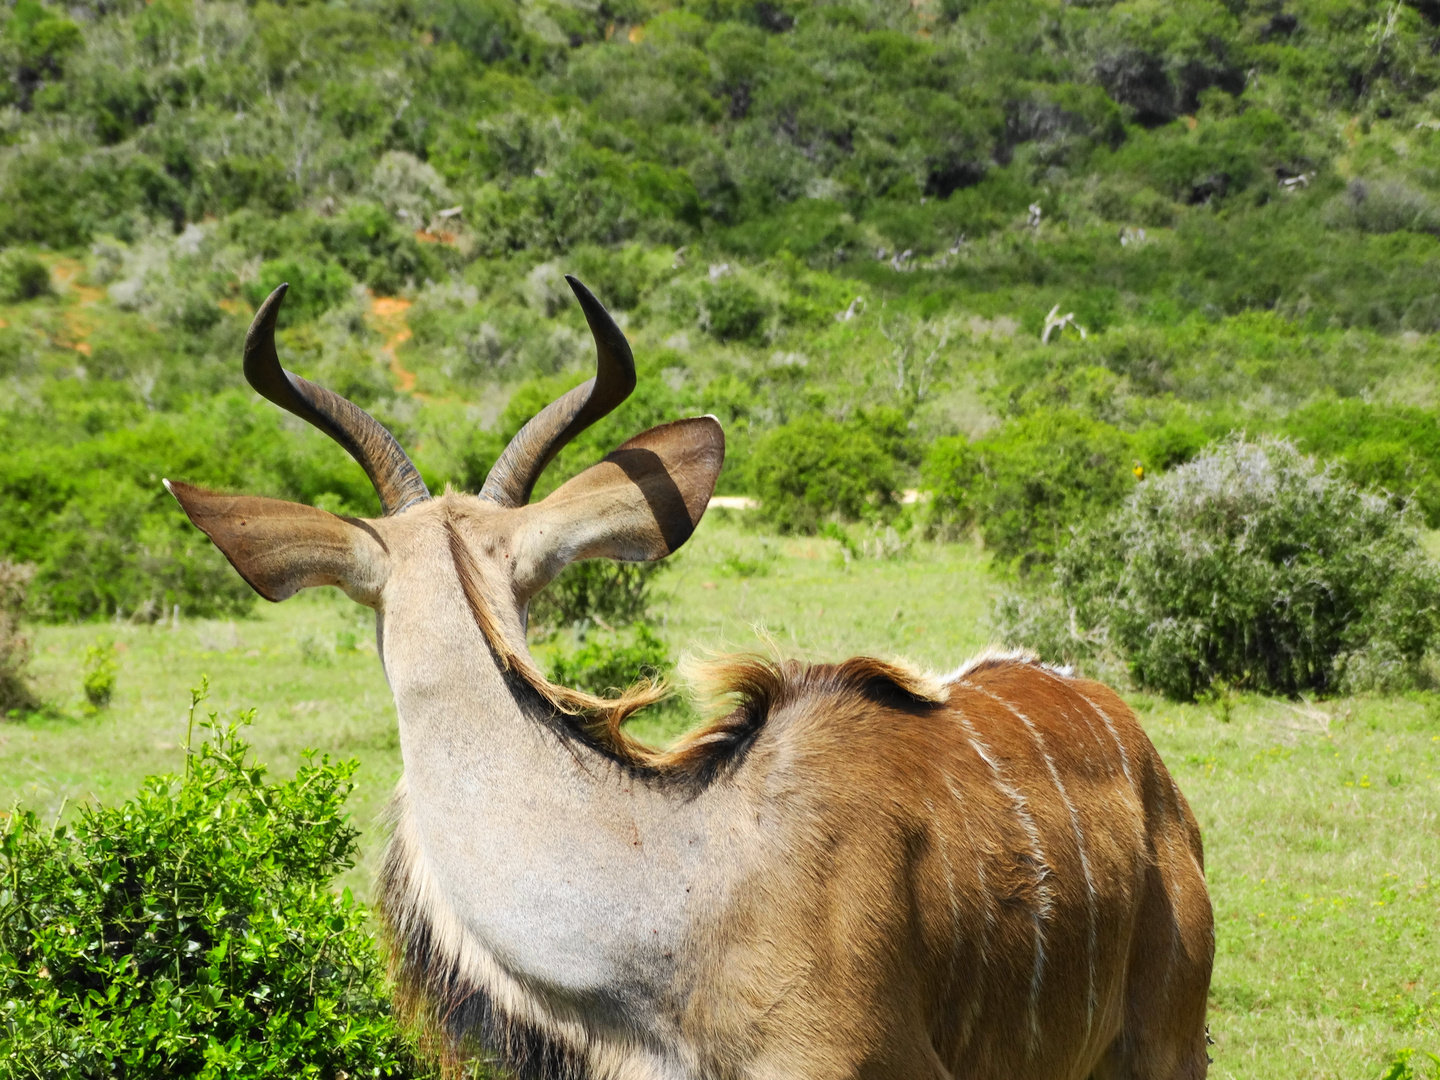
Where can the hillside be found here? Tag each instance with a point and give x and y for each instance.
(834, 221)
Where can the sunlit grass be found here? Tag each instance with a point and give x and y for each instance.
(1321, 819)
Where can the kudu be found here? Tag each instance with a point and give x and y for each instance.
(860, 871)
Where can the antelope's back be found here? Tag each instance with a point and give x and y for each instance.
(1093, 875)
(1006, 872)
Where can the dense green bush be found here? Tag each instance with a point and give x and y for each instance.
(813, 468)
(1026, 484)
(734, 311)
(22, 277)
(315, 286)
(193, 931)
(108, 540)
(366, 240)
(1252, 565)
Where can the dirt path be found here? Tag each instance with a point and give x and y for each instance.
(66, 273)
(387, 316)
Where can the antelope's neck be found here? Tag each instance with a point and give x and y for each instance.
(554, 869)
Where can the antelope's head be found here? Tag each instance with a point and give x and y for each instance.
(640, 503)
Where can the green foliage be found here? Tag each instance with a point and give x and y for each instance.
(22, 277)
(1250, 565)
(193, 932)
(597, 590)
(1027, 484)
(366, 241)
(1403, 1065)
(101, 670)
(733, 310)
(315, 286)
(812, 468)
(15, 692)
(108, 539)
(1394, 448)
(606, 665)
(801, 211)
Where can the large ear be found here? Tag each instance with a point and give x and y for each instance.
(282, 547)
(641, 503)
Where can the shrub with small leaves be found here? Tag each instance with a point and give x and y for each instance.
(1251, 564)
(100, 674)
(15, 693)
(193, 932)
(1026, 484)
(814, 469)
(734, 311)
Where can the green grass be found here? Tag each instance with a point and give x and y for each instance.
(1321, 820)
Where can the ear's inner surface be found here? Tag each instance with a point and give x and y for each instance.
(281, 547)
(648, 473)
(640, 503)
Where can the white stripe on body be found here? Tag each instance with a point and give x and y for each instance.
(1093, 945)
(1042, 888)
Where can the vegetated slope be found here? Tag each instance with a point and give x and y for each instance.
(857, 212)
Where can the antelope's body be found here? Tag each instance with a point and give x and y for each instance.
(857, 872)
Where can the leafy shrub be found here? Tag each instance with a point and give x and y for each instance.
(1251, 564)
(115, 552)
(15, 693)
(100, 673)
(316, 285)
(812, 468)
(607, 664)
(734, 311)
(193, 931)
(367, 242)
(22, 277)
(1028, 483)
(599, 590)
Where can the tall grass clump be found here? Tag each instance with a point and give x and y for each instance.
(193, 931)
(1253, 565)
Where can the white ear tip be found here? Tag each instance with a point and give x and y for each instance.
(167, 485)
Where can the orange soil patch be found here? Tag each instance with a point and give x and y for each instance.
(387, 315)
(66, 273)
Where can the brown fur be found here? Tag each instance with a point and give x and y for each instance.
(919, 907)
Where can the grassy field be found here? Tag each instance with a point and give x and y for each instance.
(1321, 819)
